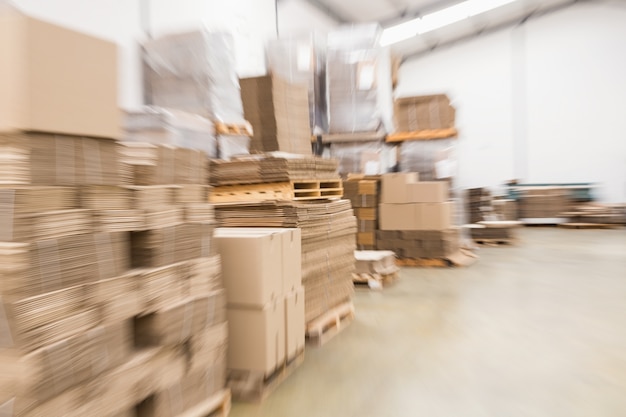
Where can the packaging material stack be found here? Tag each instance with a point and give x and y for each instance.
(108, 292)
(195, 72)
(416, 218)
(279, 113)
(302, 61)
(327, 224)
(505, 209)
(424, 113)
(363, 195)
(160, 126)
(478, 204)
(265, 304)
(596, 214)
(494, 231)
(375, 268)
(544, 202)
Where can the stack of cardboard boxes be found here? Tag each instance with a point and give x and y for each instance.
(110, 297)
(416, 217)
(423, 113)
(544, 202)
(363, 195)
(478, 204)
(265, 300)
(279, 114)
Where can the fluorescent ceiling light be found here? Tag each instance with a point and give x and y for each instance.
(439, 19)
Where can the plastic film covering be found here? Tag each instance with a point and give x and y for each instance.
(233, 145)
(433, 159)
(358, 79)
(194, 71)
(161, 126)
(303, 61)
(369, 158)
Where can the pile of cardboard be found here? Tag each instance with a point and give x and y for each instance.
(423, 112)
(478, 203)
(83, 332)
(266, 168)
(597, 213)
(544, 202)
(416, 217)
(194, 72)
(279, 113)
(328, 241)
(363, 195)
(159, 126)
(505, 209)
(496, 231)
(265, 301)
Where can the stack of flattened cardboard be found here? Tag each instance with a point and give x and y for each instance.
(505, 209)
(416, 218)
(279, 114)
(328, 241)
(423, 112)
(364, 197)
(544, 202)
(478, 204)
(494, 231)
(265, 301)
(276, 167)
(597, 213)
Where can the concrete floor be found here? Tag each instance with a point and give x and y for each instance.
(537, 329)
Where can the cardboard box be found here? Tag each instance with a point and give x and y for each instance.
(55, 79)
(251, 265)
(366, 238)
(428, 192)
(436, 216)
(365, 213)
(400, 216)
(394, 187)
(366, 225)
(294, 322)
(257, 337)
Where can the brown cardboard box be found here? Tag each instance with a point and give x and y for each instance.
(55, 79)
(424, 112)
(251, 265)
(436, 216)
(366, 238)
(366, 225)
(257, 337)
(365, 213)
(400, 216)
(394, 187)
(294, 322)
(428, 192)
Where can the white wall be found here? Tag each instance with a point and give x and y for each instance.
(543, 102)
(298, 18)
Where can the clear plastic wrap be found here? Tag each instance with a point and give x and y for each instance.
(233, 145)
(369, 158)
(359, 87)
(303, 61)
(160, 126)
(433, 159)
(194, 71)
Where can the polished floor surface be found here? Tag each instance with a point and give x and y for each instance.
(533, 330)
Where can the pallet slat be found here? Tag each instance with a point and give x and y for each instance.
(328, 325)
(588, 225)
(217, 405)
(282, 191)
(374, 281)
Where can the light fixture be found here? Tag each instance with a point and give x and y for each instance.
(438, 19)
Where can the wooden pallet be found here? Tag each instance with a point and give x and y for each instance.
(253, 386)
(328, 325)
(589, 225)
(494, 242)
(300, 190)
(424, 262)
(374, 281)
(233, 129)
(218, 405)
(426, 134)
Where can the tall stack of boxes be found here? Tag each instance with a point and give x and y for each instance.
(416, 217)
(478, 204)
(363, 195)
(110, 292)
(544, 202)
(265, 300)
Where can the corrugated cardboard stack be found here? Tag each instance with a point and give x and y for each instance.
(161, 126)
(416, 217)
(505, 209)
(358, 75)
(423, 112)
(279, 114)
(265, 301)
(478, 204)
(363, 195)
(328, 241)
(70, 221)
(544, 202)
(195, 72)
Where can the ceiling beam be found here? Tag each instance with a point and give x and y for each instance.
(504, 25)
(327, 10)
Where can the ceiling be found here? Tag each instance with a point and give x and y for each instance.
(390, 12)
